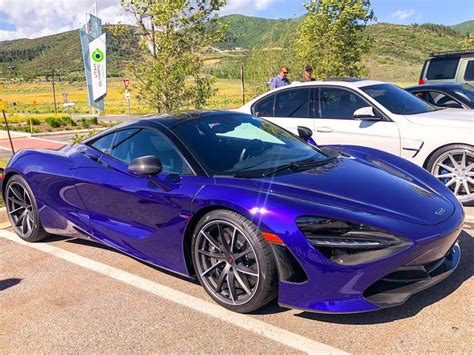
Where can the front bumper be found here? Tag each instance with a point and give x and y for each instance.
(395, 288)
(330, 288)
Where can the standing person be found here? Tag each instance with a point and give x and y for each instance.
(281, 79)
(308, 74)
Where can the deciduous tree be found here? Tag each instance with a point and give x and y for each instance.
(331, 37)
(169, 68)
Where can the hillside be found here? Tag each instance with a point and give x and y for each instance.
(398, 51)
(29, 58)
(465, 27)
(255, 32)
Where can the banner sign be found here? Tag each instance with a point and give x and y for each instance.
(98, 64)
(93, 43)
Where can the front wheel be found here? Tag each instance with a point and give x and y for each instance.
(233, 262)
(454, 166)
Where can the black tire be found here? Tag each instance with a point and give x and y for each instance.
(457, 177)
(22, 210)
(253, 256)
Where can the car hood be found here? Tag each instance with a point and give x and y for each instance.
(371, 185)
(444, 117)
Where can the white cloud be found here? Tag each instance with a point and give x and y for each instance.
(37, 18)
(403, 14)
(247, 7)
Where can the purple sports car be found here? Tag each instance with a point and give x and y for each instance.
(250, 210)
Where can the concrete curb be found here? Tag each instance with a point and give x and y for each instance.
(59, 133)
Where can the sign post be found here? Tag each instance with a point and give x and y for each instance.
(2, 108)
(93, 43)
(126, 82)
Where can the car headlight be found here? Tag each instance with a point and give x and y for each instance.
(348, 243)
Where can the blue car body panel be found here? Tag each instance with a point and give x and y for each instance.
(81, 193)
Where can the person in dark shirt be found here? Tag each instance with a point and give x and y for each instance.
(281, 79)
(308, 74)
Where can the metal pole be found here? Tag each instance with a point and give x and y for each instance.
(243, 83)
(129, 114)
(8, 131)
(54, 95)
(153, 37)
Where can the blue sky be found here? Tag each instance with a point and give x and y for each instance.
(446, 12)
(37, 18)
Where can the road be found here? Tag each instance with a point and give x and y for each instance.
(68, 295)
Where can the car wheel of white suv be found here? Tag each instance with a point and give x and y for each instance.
(454, 166)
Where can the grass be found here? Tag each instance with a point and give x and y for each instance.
(36, 99)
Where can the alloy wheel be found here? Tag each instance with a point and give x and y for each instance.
(455, 169)
(227, 262)
(20, 209)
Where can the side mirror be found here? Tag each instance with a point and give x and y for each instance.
(146, 165)
(305, 134)
(366, 113)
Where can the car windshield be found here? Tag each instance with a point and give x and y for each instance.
(397, 100)
(466, 91)
(245, 146)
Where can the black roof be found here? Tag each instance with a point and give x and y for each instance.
(169, 120)
(452, 54)
(173, 119)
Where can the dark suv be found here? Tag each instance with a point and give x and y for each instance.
(453, 67)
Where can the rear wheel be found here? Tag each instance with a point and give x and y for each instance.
(22, 210)
(233, 262)
(454, 166)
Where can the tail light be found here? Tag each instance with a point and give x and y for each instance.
(421, 82)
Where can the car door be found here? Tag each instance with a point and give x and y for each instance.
(142, 216)
(335, 123)
(288, 108)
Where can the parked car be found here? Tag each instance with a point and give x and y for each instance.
(455, 67)
(446, 95)
(250, 210)
(382, 116)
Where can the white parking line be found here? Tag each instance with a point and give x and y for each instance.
(248, 323)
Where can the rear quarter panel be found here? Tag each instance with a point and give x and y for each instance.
(48, 175)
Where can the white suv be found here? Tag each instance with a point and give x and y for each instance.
(382, 116)
(448, 67)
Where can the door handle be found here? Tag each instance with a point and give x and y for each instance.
(324, 129)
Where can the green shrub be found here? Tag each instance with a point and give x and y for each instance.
(35, 121)
(53, 122)
(93, 121)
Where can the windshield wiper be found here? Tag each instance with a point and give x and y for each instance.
(298, 166)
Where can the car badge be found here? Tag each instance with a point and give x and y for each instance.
(440, 211)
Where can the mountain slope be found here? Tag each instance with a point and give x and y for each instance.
(398, 51)
(465, 27)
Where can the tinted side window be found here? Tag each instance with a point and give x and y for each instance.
(264, 108)
(103, 144)
(443, 100)
(469, 74)
(293, 103)
(424, 95)
(442, 68)
(131, 144)
(339, 103)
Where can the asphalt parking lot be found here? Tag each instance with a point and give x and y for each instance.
(67, 295)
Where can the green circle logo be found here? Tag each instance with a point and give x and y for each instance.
(97, 55)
